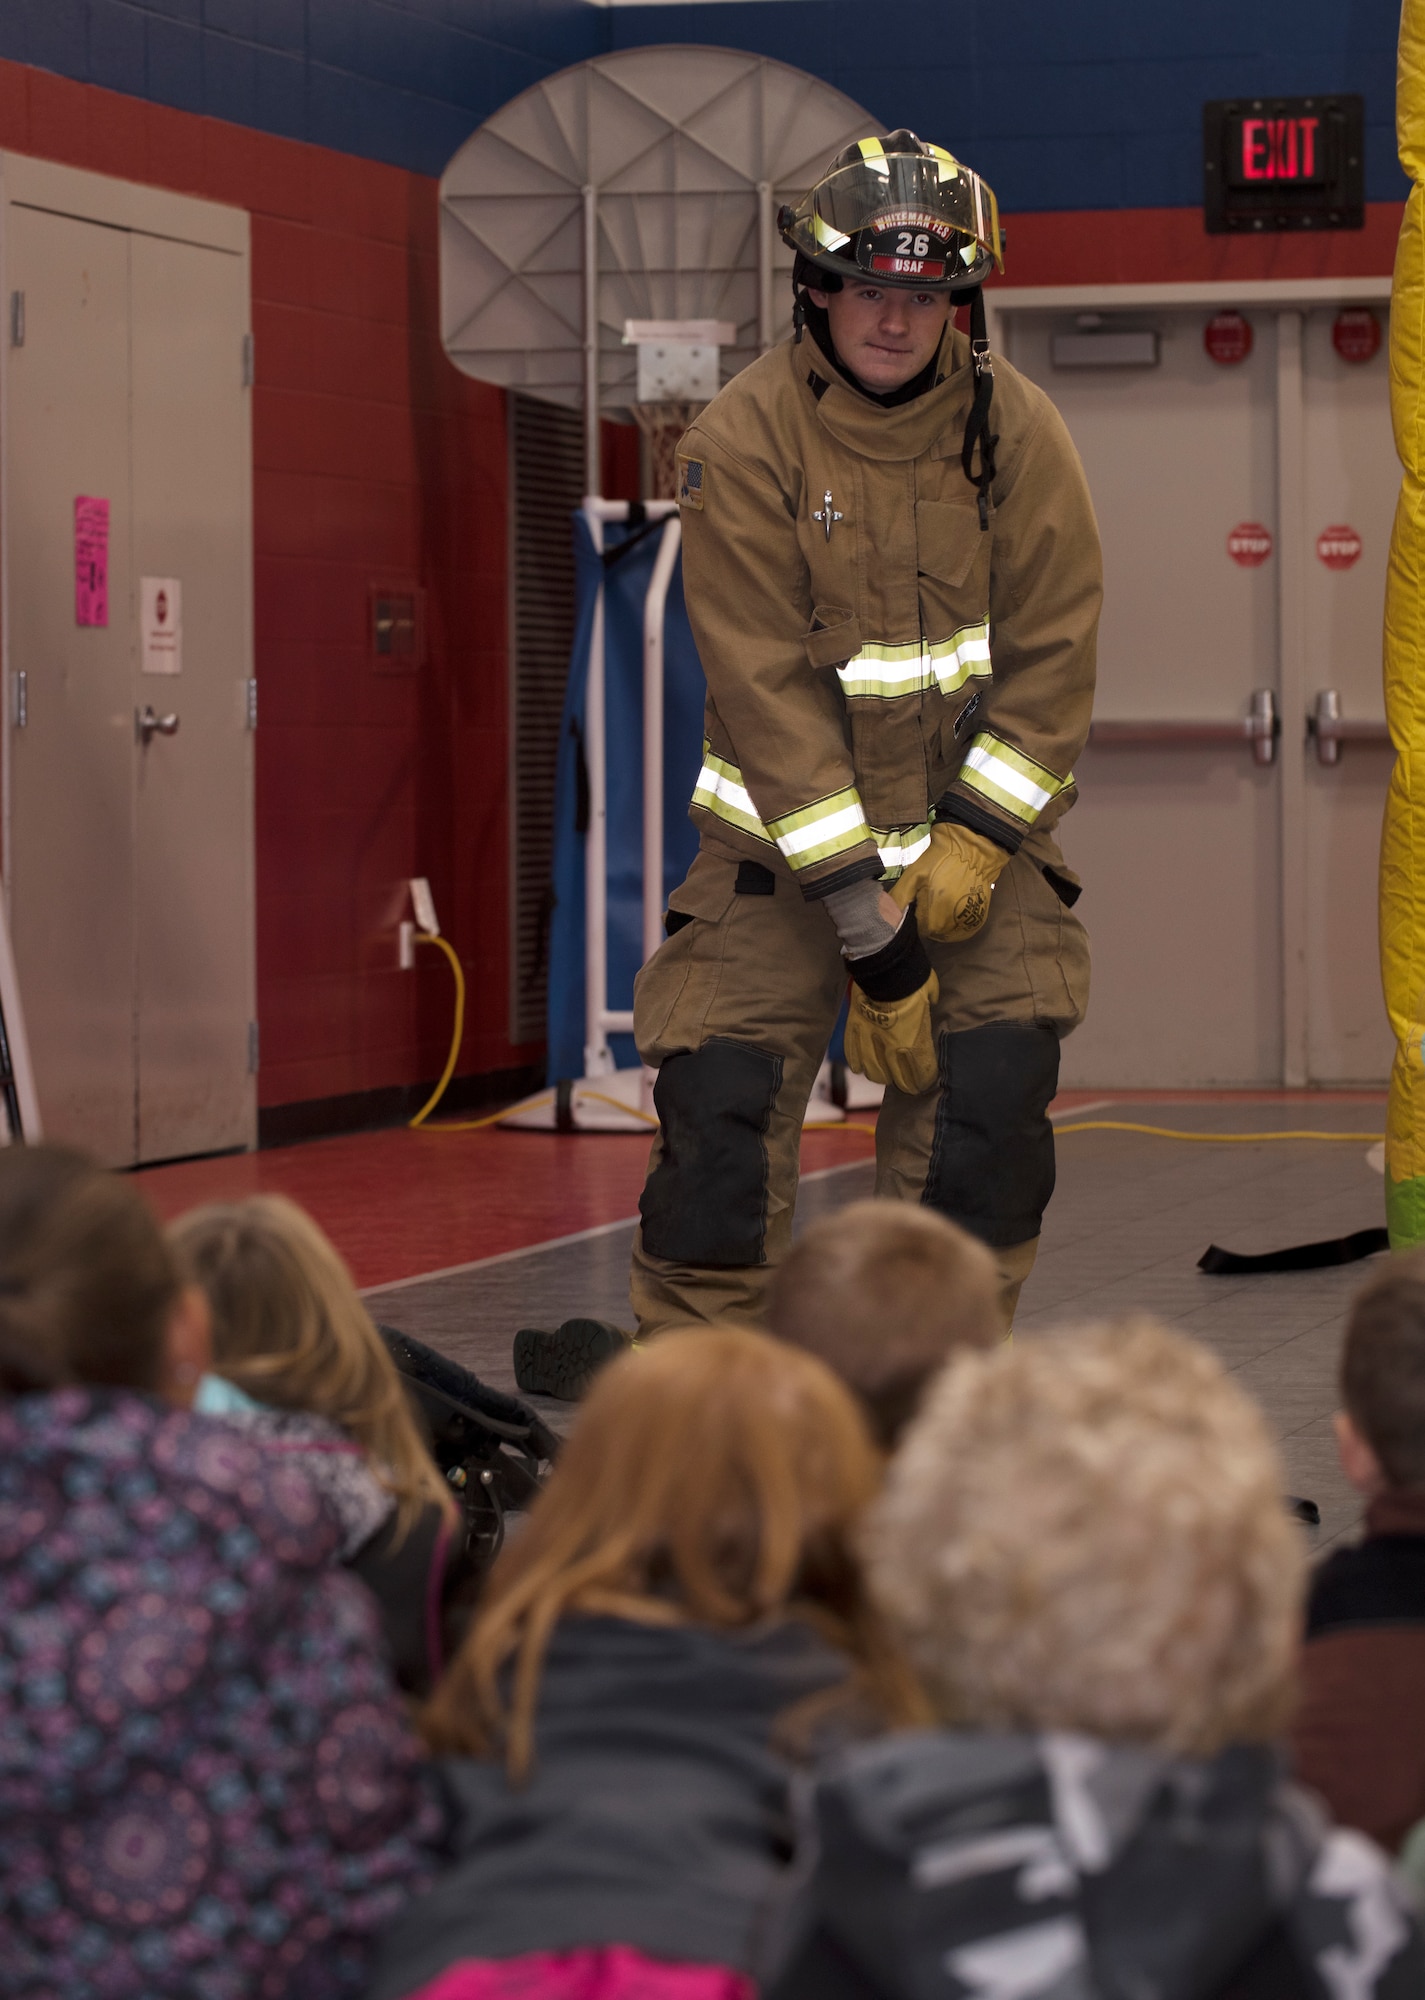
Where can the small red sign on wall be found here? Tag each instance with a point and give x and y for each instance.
(1355, 333)
(1228, 338)
(1250, 543)
(1338, 547)
(91, 561)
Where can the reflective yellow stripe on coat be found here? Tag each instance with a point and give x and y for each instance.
(1009, 779)
(883, 672)
(814, 833)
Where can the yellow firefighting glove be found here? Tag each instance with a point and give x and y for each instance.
(950, 884)
(889, 1037)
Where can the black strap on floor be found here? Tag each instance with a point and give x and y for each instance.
(1300, 1257)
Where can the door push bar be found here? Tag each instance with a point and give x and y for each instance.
(1261, 726)
(1330, 729)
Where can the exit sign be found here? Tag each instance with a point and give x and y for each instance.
(1284, 163)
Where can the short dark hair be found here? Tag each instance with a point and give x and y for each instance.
(884, 1292)
(1383, 1368)
(87, 1283)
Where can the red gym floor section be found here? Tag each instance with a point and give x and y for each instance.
(400, 1204)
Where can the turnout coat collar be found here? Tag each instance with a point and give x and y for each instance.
(934, 423)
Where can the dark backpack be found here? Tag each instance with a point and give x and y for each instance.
(495, 1450)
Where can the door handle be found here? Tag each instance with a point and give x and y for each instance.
(1330, 729)
(148, 724)
(1260, 727)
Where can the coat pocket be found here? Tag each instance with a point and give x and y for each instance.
(835, 636)
(948, 539)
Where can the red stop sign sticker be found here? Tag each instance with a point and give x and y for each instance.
(1250, 543)
(1228, 338)
(1338, 547)
(1355, 333)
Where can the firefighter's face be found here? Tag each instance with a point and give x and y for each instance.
(884, 335)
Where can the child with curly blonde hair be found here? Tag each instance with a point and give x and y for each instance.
(1083, 1548)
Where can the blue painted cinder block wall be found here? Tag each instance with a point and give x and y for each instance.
(1069, 104)
(1063, 104)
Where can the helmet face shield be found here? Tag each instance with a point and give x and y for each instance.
(898, 213)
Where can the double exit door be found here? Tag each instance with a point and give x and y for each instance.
(127, 589)
(1245, 507)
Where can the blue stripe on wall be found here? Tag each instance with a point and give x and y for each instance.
(405, 81)
(1067, 104)
(1094, 104)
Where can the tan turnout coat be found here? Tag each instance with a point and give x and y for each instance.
(857, 676)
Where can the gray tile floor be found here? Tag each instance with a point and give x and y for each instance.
(1131, 1217)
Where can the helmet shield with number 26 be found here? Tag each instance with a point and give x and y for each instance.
(896, 211)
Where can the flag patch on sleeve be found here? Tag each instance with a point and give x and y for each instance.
(692, 475)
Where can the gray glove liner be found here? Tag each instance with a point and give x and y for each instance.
(856, 913)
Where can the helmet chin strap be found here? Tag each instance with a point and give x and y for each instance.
(977, 427)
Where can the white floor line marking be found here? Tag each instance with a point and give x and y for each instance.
(628, 1221)
(501, 1257)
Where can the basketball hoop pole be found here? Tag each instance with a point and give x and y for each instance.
(601, 1020)
(654, 607)
(593, 454)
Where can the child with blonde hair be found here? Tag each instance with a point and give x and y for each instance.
(298, 1362)
(1082, 1546)
(685, 1579)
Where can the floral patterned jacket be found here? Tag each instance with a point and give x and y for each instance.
(208, 1787)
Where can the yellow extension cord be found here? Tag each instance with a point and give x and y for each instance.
(597, 1097)
(468, 1125)
(493, 1117)
(1210, 1138)
(1168, 1132)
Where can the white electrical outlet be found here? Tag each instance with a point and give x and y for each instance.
(423, 903)
(406, 945)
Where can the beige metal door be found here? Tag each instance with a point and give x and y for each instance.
(129, 864)
(1177, 844)
(193, 908)
(1230, 900)
(1351, 481)
(69, 850)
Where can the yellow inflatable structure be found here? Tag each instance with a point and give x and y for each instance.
(1402, 872)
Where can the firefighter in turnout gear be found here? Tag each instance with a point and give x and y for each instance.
(892, 571)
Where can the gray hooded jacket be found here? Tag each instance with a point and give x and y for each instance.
(958, 1866)
(656, 1815)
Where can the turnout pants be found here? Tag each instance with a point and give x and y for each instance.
(735, 1011)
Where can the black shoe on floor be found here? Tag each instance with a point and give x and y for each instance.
(565, 1362)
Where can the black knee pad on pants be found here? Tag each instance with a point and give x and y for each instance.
(992, 1160)
(706, 1200)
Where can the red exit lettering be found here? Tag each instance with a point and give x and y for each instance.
(1279, 149)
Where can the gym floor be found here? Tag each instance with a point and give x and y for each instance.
(460, 1238)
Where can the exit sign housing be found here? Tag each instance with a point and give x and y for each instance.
(1283, 163)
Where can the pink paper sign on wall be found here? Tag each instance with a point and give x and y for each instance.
(91, 561)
